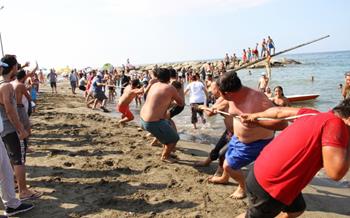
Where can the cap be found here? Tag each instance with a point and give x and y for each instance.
(3, 64)
(263, 74)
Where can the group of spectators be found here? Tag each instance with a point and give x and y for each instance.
(18, 92)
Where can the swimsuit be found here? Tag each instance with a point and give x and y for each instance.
(162, 130)
(240, 154)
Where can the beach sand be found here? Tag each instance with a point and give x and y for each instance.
(89, 167)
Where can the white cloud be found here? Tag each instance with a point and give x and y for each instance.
(178, 7)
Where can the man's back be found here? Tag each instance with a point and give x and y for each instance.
(292, 159)
(157, 103)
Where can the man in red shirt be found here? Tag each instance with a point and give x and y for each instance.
(292, 159)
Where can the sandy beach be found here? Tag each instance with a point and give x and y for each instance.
(88, 167)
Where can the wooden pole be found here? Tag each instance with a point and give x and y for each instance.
(278, 53)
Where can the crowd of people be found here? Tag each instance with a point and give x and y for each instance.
(284, 164)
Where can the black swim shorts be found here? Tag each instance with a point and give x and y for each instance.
(262, 205)
(53, 84)
(15, 148)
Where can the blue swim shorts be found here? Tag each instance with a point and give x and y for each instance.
(162, 130)
(240, 154)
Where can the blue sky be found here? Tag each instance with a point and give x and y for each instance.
(82, 33)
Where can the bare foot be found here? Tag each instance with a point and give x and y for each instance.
(168, 160)
(30, 195)
(219, 171)
(239, 193)
(203, 163)
(154, 142)
(218, 180)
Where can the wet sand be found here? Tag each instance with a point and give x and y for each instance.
(88, 167)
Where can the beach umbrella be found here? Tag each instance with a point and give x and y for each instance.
(108, 67)
(64, 70)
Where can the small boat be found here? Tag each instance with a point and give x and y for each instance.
(297, 98)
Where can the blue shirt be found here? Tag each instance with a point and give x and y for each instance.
(95, 87)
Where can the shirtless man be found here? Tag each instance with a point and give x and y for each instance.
(130, 92)
(220, 105)
(153, 113)
(20, 91)
(248, 140)
(263, 82)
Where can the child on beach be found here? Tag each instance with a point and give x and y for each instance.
(130, 92)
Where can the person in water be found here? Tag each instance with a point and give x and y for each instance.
(279, 99)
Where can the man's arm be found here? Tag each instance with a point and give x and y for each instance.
(34, 70)
(11, 111)
(336, 161)
(274, 112)
(178, 97)
(25, 93)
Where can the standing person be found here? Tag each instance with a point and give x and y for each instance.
(227, 60)
(271, 45)
(130, 92)
(248, 140)
(33, 83)
(73, 79)
(256, 52)
(263, 48)
(153, 113)
(14, 133)
(198, 95)
(41, 77)
(12, 205)
(244, 57)
(111, 82)
(346, 87)
(52, 76)
(287, 164)
(279, 99)
(20, 92)
(263, 82)
(249, 55)
(234, 60)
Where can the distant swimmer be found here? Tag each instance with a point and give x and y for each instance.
(130, 92)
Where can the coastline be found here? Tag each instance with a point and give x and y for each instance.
(88, 167)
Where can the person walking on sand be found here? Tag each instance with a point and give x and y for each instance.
(14, 133)
(248, 140)
(288, 163)
(263, 82)
(52, 76)
(130, 92)
(198, 95)
(153, 113)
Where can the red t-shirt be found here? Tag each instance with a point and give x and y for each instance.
(293, 158)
